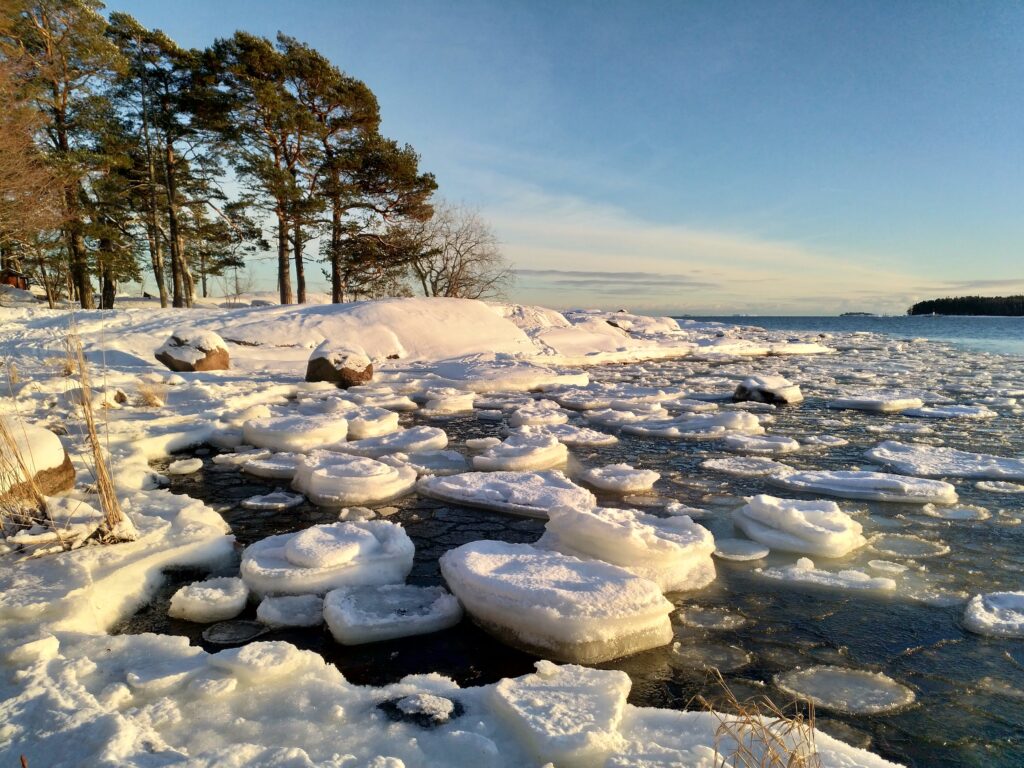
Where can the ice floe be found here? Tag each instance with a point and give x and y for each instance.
(325, 557)
(519, 452)
(295, 432)
(879, 402)
(740, 550)
(336, 480)
(569, 434)
(208, 601)
(876, 486)
(698, 426)
(357, 615)
(620, 478)
(997, 614)
(851, 691)
(674, 552)
(777, 390)
(804, 572)
(291, 611)
(562, 607)
(410, 440)
(531, 494)
(818, 528)
(940, 461)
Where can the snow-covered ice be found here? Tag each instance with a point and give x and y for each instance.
(997, 614)
(561, 607)
(411, 440)
(295, 432)
(674, 552)
(817, 528)
(620, 478)
(208, 601)
(531, 494)
(357, 615)
(518, 453)
(876, 486)
(336, 480)
(768, 389)
(941, 461)
(325, 557)
(805, 572)
(879, 402)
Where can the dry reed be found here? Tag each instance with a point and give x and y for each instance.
(756, 733)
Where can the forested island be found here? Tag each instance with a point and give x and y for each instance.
(1006, 306)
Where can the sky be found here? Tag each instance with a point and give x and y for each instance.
(697, 157)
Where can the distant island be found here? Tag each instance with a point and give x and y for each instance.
(1006, 306)
(858, 314)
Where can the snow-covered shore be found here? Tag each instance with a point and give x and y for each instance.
(72, 694)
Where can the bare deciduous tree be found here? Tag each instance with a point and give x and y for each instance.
(458, 255)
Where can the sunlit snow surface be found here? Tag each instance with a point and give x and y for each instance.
(937, 555)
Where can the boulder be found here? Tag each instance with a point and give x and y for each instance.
(194, 350)
(345, 366)
(43, 457)
(775, 390)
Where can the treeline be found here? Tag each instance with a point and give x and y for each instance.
(1008, 306)
(116, 143)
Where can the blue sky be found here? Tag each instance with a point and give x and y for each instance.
(704, 157)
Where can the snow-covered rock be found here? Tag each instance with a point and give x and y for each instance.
(325, 557)
(193, 349)
(560, 607)
(34, 454)
(776, 390)
(357, 615)
(818, 528)
(340, 364)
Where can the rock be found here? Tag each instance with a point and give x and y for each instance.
(341, 365)
(194, 350)
(775, 390)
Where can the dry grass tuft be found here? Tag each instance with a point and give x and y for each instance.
(152, 395)
(117, 527)
(756, 733)
(13, 379)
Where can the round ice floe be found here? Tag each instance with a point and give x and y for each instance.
(522, 453)
(205, 602)
(767, 444)
(740, 549)
(827, 441)
(717, 619)
(277, 466)
(260, 662)
(673, 552)
(746, 466)
(879, 402)
(953, 412)
(937, 461)
(852, 691)
(699, 657)
(357, 615)
(291, 611)
(804, 572)
(557, 606)
(809, 527)
(538, 412)
(370, 421)
(326, 546)
(295, 432)
(446, 400)
(620, 478)
(430, 462)
(907, 545)
(530, 494)
(875, 486)
(336, 480)
(698, 426)
(887, 567)
(569, 434)
(960, 512)
(275, 500)
(184, 466)
(999, 614)
(997, 486)
(268, 568)
(403, 441)
(234, 632)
